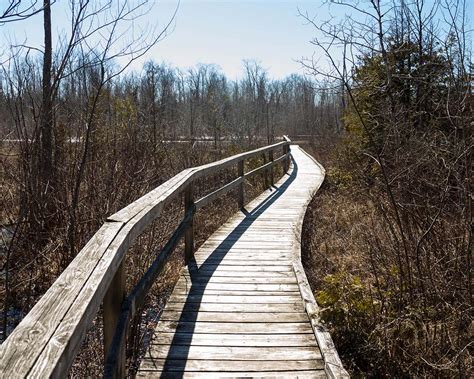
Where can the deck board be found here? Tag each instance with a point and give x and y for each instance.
(238, 310)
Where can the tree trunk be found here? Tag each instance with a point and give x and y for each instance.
(46, 121)
(42, 176)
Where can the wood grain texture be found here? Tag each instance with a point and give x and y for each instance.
(209, 339)
(234, 316)
(156, 365)
(235, 353)
(233, 307)
(33, 340)
(300, 374)
(234, 327)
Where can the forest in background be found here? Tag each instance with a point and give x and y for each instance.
(387, 242)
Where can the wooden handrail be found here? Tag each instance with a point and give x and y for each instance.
(47, 340)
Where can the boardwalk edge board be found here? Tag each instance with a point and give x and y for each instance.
(333, 365)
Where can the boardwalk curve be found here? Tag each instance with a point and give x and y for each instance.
(243, 306)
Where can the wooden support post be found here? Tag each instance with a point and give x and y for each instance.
(112, 305)
(270, 155)
(265, 172)
(284, 160)
(241, 194)
(189, 234)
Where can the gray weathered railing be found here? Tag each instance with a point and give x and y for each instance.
(47, 340)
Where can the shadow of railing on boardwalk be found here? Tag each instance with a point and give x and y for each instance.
(179, 350)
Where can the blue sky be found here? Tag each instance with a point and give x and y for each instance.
(222, 32)
(225, 32)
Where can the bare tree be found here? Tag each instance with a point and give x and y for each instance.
(402, 65)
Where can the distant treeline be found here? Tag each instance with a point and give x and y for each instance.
(161, 102)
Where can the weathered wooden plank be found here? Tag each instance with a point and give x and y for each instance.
(67, 339)
(263, 224)
(155, 199)
(255, 249)
(240, 279)
(243, 244)
(33, 335)
(247, 274)
(182, 284)
(233, 261)
(217, 268)
(233, 316)
(234, 299)
(244, 253)
(300, 374)
(246, 220)
(254, 236)
(212, 339)
(232, 327)
(218, 193)
(263, 241)
(198, 365)
(253, 229)
(266, 220)
(233, 307)
(235, 353)
(204, 291)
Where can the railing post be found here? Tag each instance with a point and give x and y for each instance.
(112, 305)
(189, 234)
(270, 155)
(284, 163)
(241, 186)
(265, 172)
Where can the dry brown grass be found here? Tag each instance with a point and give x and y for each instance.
(350, 257)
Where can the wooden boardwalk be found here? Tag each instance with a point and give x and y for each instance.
(243, 306)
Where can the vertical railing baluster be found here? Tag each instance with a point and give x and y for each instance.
(241, 195)
(270, 155)
(265, 171)
(189, 234)
(112, 306)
